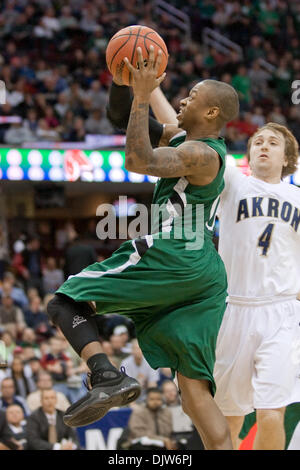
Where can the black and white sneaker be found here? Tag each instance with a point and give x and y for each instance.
(107, 389)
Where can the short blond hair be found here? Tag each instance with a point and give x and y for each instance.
(291, 146)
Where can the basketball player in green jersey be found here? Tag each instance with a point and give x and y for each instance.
(173, 289)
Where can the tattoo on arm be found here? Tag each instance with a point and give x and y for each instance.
(138, 146)
(191, 158)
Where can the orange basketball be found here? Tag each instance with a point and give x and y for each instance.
(125, 43)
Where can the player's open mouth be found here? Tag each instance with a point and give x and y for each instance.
(263, 155)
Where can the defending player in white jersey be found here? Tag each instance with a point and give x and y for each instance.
(256, 364)
(257, 358)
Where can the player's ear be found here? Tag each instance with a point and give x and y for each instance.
(286, 162)
(213, 112)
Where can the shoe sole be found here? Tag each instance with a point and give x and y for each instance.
(100, 402)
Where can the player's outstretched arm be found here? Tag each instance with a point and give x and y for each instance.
(192, 159)
(161, 108)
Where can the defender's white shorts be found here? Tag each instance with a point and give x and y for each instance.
(257, 357)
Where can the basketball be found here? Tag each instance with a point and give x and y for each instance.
(125, 43)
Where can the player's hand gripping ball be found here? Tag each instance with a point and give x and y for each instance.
(125, 43)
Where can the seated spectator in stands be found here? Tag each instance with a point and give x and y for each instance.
(97, 123)
(123, 333)
(24, 383)
(170, 393)
(17, 424)
(7, 441)
(244, 125)
(52, 276)
(31, 121)
(165, 374)
(9, 397)
(56, 361)
(97, 95)
(45, 382)
(118, 353)
(78, 131)
(29, 340)
(61, 107)
(11, 316)
(258, 118)
(136, 366)
(67, 20)
(33, 263)
(182, 424)
(10, 287)
(277, 116)
(37, 319)
(78, 254)
(46, 429)
(46, 133)
(150, 424)
(32, 292)
(242, 83)
(10, 343)
(33, 364)
(17, 134)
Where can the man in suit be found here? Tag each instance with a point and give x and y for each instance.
(46, 429)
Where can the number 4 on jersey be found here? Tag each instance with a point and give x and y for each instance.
(265, 239)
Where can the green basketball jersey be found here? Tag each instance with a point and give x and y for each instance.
(189, 209)
(175, 293)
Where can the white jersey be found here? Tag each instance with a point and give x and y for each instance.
(259, 238)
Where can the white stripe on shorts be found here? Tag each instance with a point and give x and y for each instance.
(134, 258)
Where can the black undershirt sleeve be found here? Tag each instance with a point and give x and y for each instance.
(118, 112)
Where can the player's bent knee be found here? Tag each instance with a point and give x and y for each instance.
(64, 305)
(54, 307)
(269, 417)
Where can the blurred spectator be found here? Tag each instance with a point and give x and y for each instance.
(17, 134)
(9, 396)
(34, 366)
(46, 429)
(21, 376)
(52, 276)
(277, 116)
(10, 287)
(97, 96)
(28, 339)
(97, 123)
(78, 255)
(45, 133)
(7, 441)
(117, 343)
(150, 424)
(136, 366)
(17, 424)
(56, 361)
(32, 262)
(9, 340)
(37, 319)
(182, 424)
(170, 393)
(258, 118)
(11, 316)
(241, 82)
(4, 253)
(45, 382)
